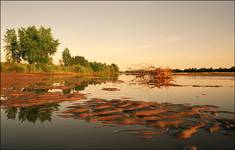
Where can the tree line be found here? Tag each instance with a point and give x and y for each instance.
(231, 69)
(144, 71)
(81, 63)
(33, 47)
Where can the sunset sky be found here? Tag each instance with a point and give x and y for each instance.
(169, 34)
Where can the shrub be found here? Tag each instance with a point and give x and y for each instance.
(47, 68)
(2, 67)
(78, 68)
(17, 67)
(32, 68)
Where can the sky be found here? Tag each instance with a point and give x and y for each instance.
(176, 34)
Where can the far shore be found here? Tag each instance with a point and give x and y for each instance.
(204, 74)
(194, 73)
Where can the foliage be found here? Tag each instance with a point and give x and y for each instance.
(96, 67)
(16, 67)
(115, 67)
(32, 68)
(12, 47)
(37, 45)
(67, 59)
(81, 64)
(2, 68)
(80, 60)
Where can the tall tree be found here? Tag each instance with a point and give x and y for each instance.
(67, 59)
(37, 45)
(12, 47)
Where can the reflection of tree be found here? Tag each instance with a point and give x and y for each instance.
(66, 91)
(32, 114)
(111, 78)
(11, 112)
(37, 91)
(81, 86)
(84, 82)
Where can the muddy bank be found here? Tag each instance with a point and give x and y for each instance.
(38, 80)
(29, 89)
(29, 99)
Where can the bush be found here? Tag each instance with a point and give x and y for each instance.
(47, 68)
(78, 68)
(92, 68)
(2, 67)
(32, 68)
(17, 67)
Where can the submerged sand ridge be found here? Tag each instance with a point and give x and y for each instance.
(184, 120)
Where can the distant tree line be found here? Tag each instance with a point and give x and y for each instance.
(231, 69)
(35, 46)
(145, 71)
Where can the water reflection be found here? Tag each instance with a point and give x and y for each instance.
(138, 118)
(11, 112)
(37, 91)
(32, 114)
(67, 86)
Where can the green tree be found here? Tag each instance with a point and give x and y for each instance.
(67, 59)
(80, 60)
(96, 67)
(115, 67)
(12, 47)
(37, 45)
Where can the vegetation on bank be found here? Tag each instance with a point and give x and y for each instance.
(81, 64)
(189, 70)
(231, 69)
(31, 49)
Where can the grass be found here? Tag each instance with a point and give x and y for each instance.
(51, 68)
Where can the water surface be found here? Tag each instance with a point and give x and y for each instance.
(44, 127)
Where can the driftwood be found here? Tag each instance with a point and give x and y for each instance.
(155, 72)
(153, 76)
